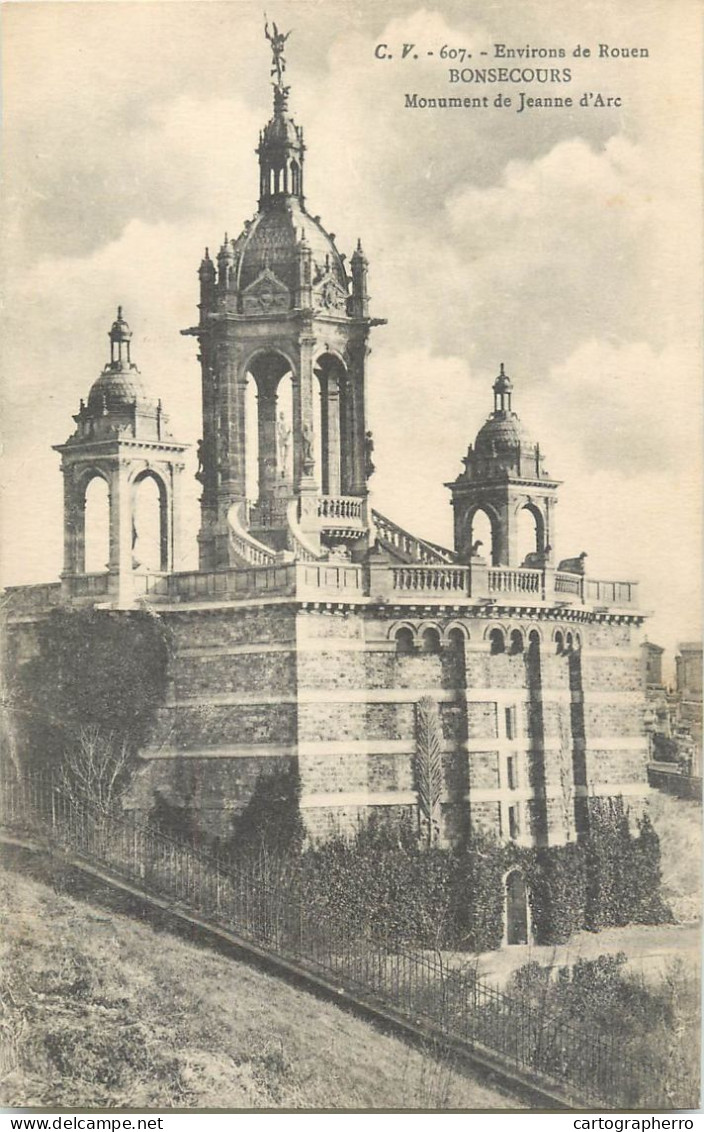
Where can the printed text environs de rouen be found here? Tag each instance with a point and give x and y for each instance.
(549, 74)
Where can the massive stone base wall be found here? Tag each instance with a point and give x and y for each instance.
(229, 715)
(528, 732)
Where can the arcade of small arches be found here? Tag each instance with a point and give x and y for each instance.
(283, 178)
(429, 637)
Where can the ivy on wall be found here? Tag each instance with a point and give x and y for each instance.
(92, 670)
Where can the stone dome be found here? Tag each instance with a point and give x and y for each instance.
(500, 432)
(281, 130)
(117, 389)
(271, 241)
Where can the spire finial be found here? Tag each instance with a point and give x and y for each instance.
(277, 40)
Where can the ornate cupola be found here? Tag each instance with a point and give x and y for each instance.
(121, 437)
(504, 475)
(280, 312)
(281, 146)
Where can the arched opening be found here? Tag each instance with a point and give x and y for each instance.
(456, 639)
(149, 525)
(559, 643)
(96, 557)
(497, 642)
(529, 535)
(431, 641)
(516, 642)
(333, 450)
(568, 643)
(404, 641)
(517, 911)
(269, 439)
(481, 537)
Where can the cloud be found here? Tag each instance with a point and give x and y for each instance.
(565, 247)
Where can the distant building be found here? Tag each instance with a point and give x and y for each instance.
(652, 664)
(688, 668)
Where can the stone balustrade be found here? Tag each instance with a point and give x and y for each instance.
(504, 581)
(336, 507)
(430, 579)
(343, 580)
(610, 593)
(32, 599)
(569, 584)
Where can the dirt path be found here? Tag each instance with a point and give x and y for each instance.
(651, 949)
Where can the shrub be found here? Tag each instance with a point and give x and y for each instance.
(271, 820)
(557, 882)
(94, 669)
(623, 872)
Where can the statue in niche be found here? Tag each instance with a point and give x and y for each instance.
(308, 459)
(369, 466)
(283, 439)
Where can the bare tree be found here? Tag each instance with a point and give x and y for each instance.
(96, 767)
(427, 768)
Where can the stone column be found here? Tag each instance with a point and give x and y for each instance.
(346, 435)
(175, 518)
(503, 538)
(304, 479)
(74, 529)
(357, 419)
(508, 533)
(232, 382)
(121, 587)
(324, 429)
(331, 431)
(549, 514)
(266, 424)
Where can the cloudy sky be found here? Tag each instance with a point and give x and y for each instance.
(564, 243)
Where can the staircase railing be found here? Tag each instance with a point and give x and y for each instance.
(410, 548)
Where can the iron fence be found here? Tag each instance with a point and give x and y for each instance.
(256, 906)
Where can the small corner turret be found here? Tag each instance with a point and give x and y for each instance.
(122, 438)
(504, 475)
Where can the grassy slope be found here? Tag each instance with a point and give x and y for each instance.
(99, 1010)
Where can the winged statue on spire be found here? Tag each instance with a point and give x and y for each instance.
(277, 40)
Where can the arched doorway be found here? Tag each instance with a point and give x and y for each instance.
(517, 911)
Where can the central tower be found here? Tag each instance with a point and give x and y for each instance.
(278, 306)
